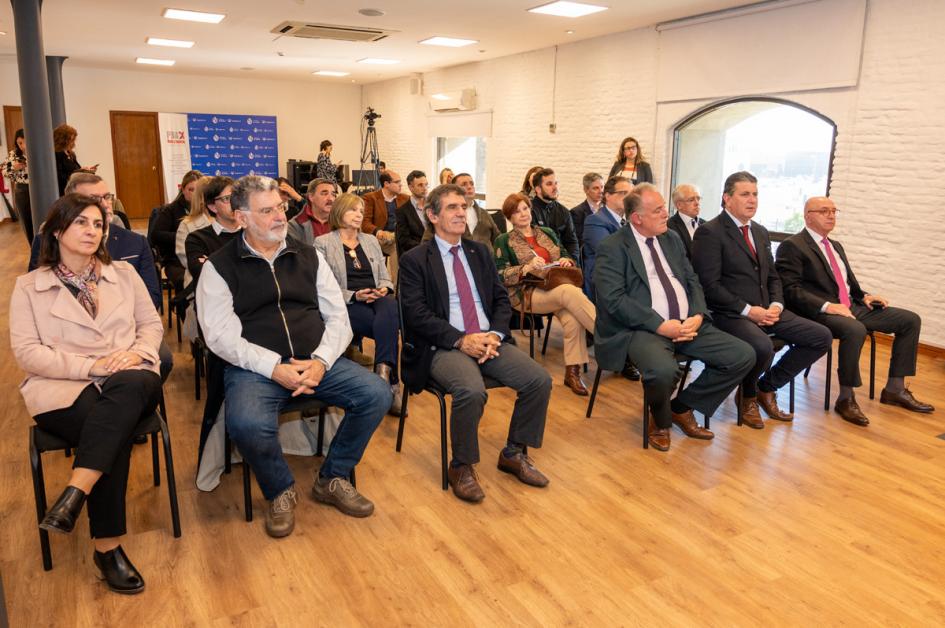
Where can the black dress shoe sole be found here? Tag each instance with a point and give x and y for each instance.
(50, 527)
(117, 590)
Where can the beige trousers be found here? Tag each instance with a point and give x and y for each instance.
(576, 314)
(389, 249)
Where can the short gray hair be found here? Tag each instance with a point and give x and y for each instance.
(244, 186)
(314, 183)
(589, 179)
(435, 198)
(633, 202)
(677, 191)
(81, 178)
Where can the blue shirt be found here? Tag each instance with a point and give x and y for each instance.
(456, 311)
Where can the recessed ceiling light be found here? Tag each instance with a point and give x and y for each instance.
(451, 42)
(563, 8)
(193, 16)
(247, 69)
(440, 97)
(2, 33)
(330, 73)
(569, 32)
(375, 61)
(371, 12)
(147, 61)
(173, 43)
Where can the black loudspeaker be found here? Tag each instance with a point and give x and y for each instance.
(299, 173)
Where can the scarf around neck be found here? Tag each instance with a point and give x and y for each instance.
(86, 284)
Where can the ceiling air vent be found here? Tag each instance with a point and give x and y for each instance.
(330, 31)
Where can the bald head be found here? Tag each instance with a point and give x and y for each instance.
(820, 215)
(686, 198)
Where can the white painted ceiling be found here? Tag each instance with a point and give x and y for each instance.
(112, 33)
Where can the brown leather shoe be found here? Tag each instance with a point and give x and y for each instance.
(521, 467)
(769, 403)
(750, 415)
(849, 410)
(572, 379)
(687, 423)
(659, 438)
(465, 483)
(905, 400)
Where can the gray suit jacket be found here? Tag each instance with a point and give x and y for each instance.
(334, 252)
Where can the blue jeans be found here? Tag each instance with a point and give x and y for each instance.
(253, 403)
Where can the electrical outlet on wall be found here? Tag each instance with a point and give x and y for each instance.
(552, 127)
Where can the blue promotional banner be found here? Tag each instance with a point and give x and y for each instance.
(233, 145)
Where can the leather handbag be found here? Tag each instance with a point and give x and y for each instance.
(548, 279)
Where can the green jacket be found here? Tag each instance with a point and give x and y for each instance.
(623, 293)
(512, 251)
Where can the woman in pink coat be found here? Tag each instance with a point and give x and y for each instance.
(86, 333)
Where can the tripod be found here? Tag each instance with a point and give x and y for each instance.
(369, 155)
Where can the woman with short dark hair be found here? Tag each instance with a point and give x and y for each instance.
(86, 333)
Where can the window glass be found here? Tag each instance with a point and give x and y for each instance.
(463, 154)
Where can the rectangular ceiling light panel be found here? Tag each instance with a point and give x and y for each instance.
(563, 8)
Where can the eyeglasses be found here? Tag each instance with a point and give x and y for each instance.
(824, 212)
(98, 198)
(223, 199)
(282, 208)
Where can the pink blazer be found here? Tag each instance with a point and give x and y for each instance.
(56, 341)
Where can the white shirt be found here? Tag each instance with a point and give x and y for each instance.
(740, 224)
(658, 300)
(422, 215)
(472, 217)
(617, 217)
(843, 267)
(691, 228)
(456, 310)
(223, 330)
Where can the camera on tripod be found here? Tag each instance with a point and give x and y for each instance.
(370, 115)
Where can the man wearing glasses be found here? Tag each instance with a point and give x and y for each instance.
(819, 284)
(272, 309)
(686, 220)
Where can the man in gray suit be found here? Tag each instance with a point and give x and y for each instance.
(650, 306)
(312, 221)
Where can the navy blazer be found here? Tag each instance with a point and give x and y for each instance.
(731, 276)
(125, 246)
(579, 214)
(677, 222)
(597, 227)
(424, 299)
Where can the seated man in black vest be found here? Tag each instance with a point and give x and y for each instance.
(819, 284)
(271, 307)
(456, 319)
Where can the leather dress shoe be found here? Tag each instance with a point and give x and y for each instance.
(384, 372)
(140, 439)
(659, 438)
(769, 403)
(849, 410)
(750, 415)
(118, 572)
(465, 483)
(631, 372)
(687, 423)
(572, 379)
(520, 465)
(904, 399)
(61, 517)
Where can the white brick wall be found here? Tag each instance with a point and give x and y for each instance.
(890, 157)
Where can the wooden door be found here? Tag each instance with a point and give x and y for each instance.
(12, 122)
(136, 148)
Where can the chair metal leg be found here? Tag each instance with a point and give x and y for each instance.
(544, 345)
(155, 460)
(443, 435)
(792, 396)
(872, 366)
(161, 407)
(590, 402)
(171, 478)
(807, 371)
(531, 336)
(353, 479)
(39, 492)
(646, 419)
(738, 404)
(321, 433)
(179, 338)
(247, 491)
(403, 420)
(685, 376)
(827, 377)
(228, 452)
(195, 351)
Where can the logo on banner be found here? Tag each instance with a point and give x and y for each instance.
(176, 137)
(213, 119)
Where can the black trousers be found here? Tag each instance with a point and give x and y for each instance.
(21, 202)
(378, 321)
(101, 425)
(808, 340)
(852, 333)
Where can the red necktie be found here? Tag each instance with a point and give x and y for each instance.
(748, 241)
(467, 303)
(837, 275)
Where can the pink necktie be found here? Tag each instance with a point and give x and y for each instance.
(837, 275)
(467, 303)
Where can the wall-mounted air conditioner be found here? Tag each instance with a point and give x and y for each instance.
(460, 100)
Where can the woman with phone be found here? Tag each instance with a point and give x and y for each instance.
(356, 260)
(528, 249)
(64, 137)
(14, 168)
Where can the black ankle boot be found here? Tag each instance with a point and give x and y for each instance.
(118, 572)
(61, 517)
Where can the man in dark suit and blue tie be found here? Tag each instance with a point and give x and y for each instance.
(732, 255)
(606, 221)
(819, 284)
(456, 330)
(650, 306)
(686, 220)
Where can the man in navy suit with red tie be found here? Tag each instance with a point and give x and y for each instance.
(732, 255)
(456, 331)
(819, 284)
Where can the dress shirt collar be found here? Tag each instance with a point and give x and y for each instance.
(817, 237)
(617, 217)
(737, 222)
(260, 255)
(218, 228)
(445, 246)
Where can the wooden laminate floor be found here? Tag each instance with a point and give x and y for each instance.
(814, 522)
